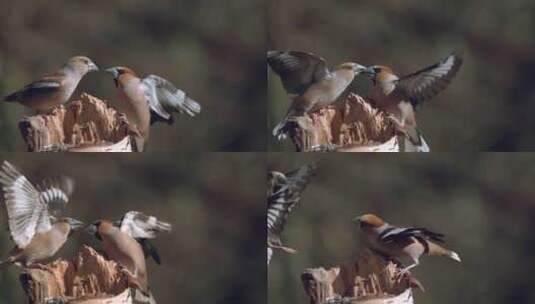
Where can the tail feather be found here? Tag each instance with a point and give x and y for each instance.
(453, 255)
(438, 250)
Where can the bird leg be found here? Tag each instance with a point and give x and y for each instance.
(406, 271)
(285, 249)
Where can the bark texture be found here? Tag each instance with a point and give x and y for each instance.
(352, 125)
(369, 280)
(85, 125)
(88, 278)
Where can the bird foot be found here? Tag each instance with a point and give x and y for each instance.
(38, 266)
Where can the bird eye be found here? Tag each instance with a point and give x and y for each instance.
(86, 61)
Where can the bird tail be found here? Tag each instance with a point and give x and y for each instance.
(190, 106)
(438, 250)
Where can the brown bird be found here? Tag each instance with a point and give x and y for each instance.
(400, 96)
(397, 242)
(284, 192)
(309, 82)
(150, 99)
(125, 242)
(55, 89)
(37, 233)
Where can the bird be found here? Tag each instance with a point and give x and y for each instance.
(54, 89)
(400, 96)
(33, 225)
(125, 241)
(309, 83)
(398, 242)
(283, 193)
(162, 97)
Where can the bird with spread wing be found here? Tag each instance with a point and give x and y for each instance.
(283, 193)
(32, 216)
(400, 96)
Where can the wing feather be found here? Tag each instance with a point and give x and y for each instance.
(424, 84)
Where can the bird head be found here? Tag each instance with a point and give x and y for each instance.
(98, 227)
(369, 221)
(355, 67)
(382, 74)
(119, 72)
(74, 224)
(82, 64)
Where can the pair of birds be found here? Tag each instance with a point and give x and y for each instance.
(311, 85)
(143, 100)
(39, 230)
(284, 192)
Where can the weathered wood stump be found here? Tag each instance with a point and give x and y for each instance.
(85, 125)
(352, 125)
(87, 278)
(369, 280)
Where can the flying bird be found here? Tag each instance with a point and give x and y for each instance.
(36, 231)
(283, 193)
(400, 96)
(309, 82)
(126, 242)
(55, 89)
(397, 242)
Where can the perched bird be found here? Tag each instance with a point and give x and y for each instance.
(397, 242)
(125, 242)
(37, 233)
(309, 82)
(284, 192)
(55, 89)
(400, 96)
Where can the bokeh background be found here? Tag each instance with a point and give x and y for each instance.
(488, 105)
(212, 50)
(483, 203)
(215, 253)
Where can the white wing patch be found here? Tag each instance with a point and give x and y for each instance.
(141, 226)
(27, 213)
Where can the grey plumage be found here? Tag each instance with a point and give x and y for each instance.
(164, 99)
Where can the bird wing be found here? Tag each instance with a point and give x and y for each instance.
(164, 98)
(424, 84)
(45, 85)
(284, 192)
(297, 70)
(400, 234)
(141, 226)
(27, 208)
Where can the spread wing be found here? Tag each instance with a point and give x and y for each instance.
(164, 99)
(422, 85)
(284, 192)
(297, 70)
(143, 227)
(27, 207)
(401, 234)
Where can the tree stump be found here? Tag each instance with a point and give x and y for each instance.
(85, 125)
(370, 280)
(352, 125)
(88, 278)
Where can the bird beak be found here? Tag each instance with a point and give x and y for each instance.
(367, 71)
(93, 67)
(113, 71)
(91, 229)
(75, 224)
(356, 220)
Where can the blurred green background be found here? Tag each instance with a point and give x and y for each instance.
(483, 203)
(215, 253)
(489, 104)
(213, 50)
